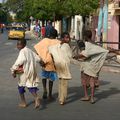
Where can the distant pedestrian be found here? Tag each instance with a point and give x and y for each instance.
(93, 57)
(43, 31)
(25, 69)
(37, 30)
(48, 29)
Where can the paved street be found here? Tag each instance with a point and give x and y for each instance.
(107, 106)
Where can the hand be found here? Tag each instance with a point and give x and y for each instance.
(14, 75)
(76, 57)
(42, 63)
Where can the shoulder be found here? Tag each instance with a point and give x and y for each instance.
(66, 45)
(23, 50)
(54, 46)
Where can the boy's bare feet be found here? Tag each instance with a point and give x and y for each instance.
(85, 98)
(37, 102)
(92, 100)
(62, 103)
(22, 105)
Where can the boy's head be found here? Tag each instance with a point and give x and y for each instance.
(81, 45)
(88, 35)
(53, 33)
(21, 44)
(65, 37)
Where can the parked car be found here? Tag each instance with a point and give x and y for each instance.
(16, 32)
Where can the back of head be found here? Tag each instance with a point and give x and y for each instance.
(88, 35)
(64, 34)
(22, 42)
(53, 33)
(81, 44)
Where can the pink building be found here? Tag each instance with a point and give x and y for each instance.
(113, 23)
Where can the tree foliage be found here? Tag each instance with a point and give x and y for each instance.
(50, 9)
(3, 14)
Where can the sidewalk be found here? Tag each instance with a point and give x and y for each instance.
(111, 69)
(111, 65)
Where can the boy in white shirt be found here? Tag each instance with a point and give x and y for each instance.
(25, 69)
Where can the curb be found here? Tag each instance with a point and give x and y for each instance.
(110, 69)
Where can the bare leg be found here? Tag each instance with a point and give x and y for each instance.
(97, 82)
(92, 85)
(23, 101)
(37, 100)
(84, 79)
(44, 82)
(50, 90)
(85, 91)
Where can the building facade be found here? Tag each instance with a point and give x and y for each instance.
(113, 32)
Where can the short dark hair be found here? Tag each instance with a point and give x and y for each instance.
(64, 33)
(22, 42)
(53, 33)
(81, 44)
(87, 35)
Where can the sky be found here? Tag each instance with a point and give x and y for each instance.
(1, 1)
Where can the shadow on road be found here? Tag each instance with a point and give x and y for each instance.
(106, 93)
(75, 93)
(104, 82)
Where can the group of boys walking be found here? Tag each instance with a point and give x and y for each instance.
(55, 57)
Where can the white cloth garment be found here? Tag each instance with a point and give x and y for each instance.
(62, 57)
(95, 57)
(28, 59)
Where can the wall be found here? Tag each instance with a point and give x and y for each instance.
(113, 32)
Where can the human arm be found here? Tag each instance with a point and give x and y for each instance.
(39, 59)
(19, 62)
(79, 56)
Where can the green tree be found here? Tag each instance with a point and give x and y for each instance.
(14, 5)
(3, 14)
(50, 9)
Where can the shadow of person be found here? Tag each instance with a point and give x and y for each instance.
(74, 94)
(106, 93)
(45, 102)
(104, 82)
